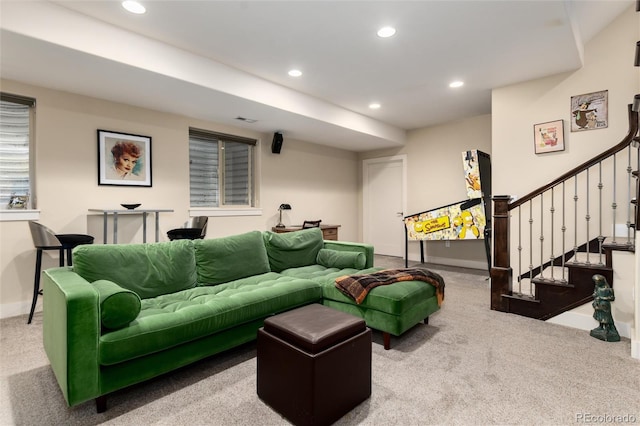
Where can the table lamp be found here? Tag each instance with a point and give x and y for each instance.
(282, 207)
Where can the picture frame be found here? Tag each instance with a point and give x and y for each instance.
(549, 136)
(18, 202)
(124, 159)
(590, 111)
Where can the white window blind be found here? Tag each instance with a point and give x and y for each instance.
(203, 172)
(220, 170)
(237, 179)
(15, 138)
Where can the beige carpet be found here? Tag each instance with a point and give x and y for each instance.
(470, 365)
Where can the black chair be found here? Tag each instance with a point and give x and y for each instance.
(45, 239)
(311, 224)
(194, 229)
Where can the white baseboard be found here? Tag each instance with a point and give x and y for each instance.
(462, 263)
(635, 349)
(8, 310)
(586, 322)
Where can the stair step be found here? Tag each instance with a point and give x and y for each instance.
(523, 305)
(553, 282)
(582, 257)
(554, 272)
(562, 287)
(584, 265)
(521, 297)
(590, 266)
(619, 246)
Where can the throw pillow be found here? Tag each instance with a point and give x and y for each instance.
(149, 270)
(293, 249)
(118, 306)
(341, 259)
(225, 259)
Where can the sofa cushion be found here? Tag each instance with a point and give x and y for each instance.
(172, 319)
(118, 306)
(149, 270)
(341, 259)
(226, 259)
(293, 249)
(323, 275)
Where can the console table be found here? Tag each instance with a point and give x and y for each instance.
(116, 212)
(329, 232)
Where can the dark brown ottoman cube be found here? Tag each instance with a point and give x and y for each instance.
(314, 364)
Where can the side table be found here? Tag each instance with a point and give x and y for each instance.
(116, 212)
(329, 232)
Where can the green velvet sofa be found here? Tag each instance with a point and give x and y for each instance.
(126, 313)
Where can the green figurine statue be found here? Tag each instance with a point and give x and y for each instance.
(602, 297)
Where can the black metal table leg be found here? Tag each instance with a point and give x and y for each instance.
(36, 284)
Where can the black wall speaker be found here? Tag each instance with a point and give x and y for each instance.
(276, 145)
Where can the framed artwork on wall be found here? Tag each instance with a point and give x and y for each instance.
(549, 136)
(590, 111)
(123, 159)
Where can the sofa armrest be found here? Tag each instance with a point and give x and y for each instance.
(71, 333)
(367, 249)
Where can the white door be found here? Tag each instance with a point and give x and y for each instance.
(384, 181)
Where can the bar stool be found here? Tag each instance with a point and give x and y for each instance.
(45, 239)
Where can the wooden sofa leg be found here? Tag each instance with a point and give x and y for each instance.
(426, 320)
(386, 337)
(101, 404)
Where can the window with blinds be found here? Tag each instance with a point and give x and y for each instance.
(15, 143)
(221, 170)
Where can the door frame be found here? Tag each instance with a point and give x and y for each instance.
(365, 187)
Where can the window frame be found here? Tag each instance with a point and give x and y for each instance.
(31, 212)
(223, 209)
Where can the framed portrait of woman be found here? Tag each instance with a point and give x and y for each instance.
(123, 159)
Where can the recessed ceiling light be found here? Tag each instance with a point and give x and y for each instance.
(134, 7)
(295, 73)
(386, 32)
(374, 105)
(455, 84)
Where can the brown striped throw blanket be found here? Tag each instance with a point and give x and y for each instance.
(358, 286)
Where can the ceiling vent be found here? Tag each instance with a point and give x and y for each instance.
(246, 120)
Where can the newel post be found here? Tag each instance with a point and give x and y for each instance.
(501, 270)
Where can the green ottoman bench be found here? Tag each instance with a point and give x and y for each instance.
(391, 309)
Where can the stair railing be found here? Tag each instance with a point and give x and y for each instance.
(613, 174)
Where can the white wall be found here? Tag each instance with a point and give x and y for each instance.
(435, 178)
(608, 58)
(517, 170)
(319, 182)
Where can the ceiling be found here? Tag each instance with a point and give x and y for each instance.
(219, 60)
